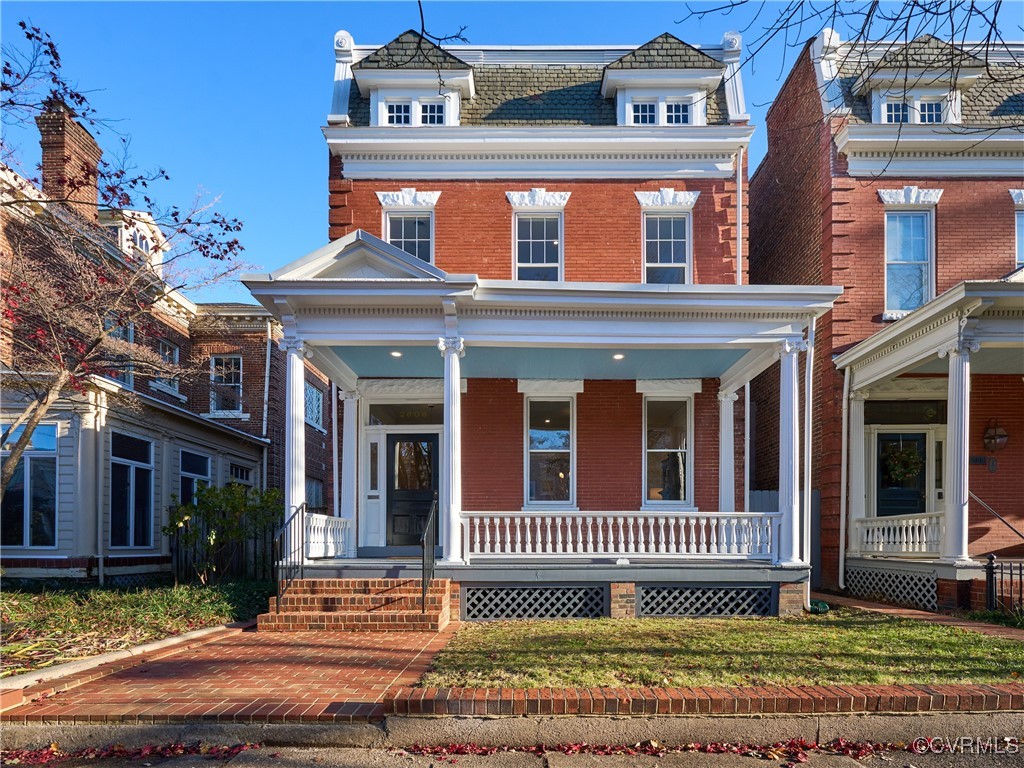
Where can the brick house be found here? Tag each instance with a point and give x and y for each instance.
(94, 489)
(895, 171)
(536, 303)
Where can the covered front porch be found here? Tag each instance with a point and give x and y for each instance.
(934, 424)
(574, 426)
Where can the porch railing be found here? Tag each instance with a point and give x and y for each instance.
(289, 552)
(905, 535)
(739, 535)
(326, 536)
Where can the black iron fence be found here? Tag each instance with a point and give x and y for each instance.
(1004, 585)
(289, 551)
(249, 557)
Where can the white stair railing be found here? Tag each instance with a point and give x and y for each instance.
(737, 535)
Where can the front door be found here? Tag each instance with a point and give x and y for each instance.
(902, 473)
(412, 470)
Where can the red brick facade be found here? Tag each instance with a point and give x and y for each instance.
(811, 223)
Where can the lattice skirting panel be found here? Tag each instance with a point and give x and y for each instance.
(704, 601)
(527, 602)
(916, 589)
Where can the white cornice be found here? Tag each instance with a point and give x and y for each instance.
(408, 197)
(910, 196)
(669, 386)
(703, 79)
(429, 79)
(538, 198)
(667, 198)
(550, 386)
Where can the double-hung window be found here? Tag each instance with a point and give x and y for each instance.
(195, 475)
(538, 246)
(28, 514)
(1020, 238)
(667, 461)
(549, 451)
(120, 369)
(226, 384)
(131, 491)
(908, 255)
(412, 231)
(666, 242)
(171, 356)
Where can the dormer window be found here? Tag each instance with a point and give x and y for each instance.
(897, 112)
(399, 113)
(140, 241)
(645, 112)
(432, 112)
(677, 113)
(931, 111)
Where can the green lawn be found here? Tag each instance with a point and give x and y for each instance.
(843, 646)
(42, 628)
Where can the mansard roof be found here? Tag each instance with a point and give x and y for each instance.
(411, 50)
(666, 51)
(996, 98)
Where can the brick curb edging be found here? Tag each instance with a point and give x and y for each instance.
(103, 665)
(830, 699)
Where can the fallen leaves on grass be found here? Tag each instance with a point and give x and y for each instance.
(54, 754)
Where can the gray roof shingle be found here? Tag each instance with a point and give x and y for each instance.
(410, 50)
(666, 52)
(995, 99)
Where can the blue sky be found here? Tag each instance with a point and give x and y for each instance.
(230, 97)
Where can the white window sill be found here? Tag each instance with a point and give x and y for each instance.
(317, 427)
(668, 507)
(226, 415)
(551, 507)
(891, 315)
(170, 391)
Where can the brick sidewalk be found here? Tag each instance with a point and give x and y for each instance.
(250, 677)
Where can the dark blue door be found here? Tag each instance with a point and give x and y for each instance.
(901, 472)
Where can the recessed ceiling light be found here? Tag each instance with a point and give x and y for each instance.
(618, 356)
(547, 421)
(396, 353)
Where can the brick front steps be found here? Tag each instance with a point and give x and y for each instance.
(792, 700)
(354, 605)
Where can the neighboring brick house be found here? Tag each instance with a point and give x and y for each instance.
(896, 172)
(94, 489)
(535, 301)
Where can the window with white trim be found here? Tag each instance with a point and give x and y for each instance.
(131, 491)
(549, 451)
(908, 260)
(399, 112)
(897, 112)
(666, 248)
(239, 473)
(645, 112)
(431, 113)
(1020, 238)
(28, 513)
(413, 232)
(226, 384)
(538, 246)
(314, 401)
(930, 111)
(314, 494)
(926, 106)
(194, 476)
(677, 113)
(120, 365)
(171, 355)
(667, 461)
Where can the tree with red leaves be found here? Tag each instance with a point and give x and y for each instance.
(91, 268)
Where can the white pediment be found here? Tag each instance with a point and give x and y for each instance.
(359, 256)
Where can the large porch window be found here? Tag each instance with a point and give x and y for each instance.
(549, 451)
(667, 429)
(131, 491)
(29, 512)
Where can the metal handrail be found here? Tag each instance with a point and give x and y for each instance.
(427, 544)
(1002, 519)
(288, 565)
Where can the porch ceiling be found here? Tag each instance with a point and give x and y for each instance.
(541, 363)
(1009, 360)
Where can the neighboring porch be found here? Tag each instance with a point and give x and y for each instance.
(578, 426)
(935, 455)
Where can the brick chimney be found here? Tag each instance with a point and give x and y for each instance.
(71, 157)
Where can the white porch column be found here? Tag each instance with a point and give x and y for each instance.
(349, 454)
(450, 497)
(858, 470)
(294, 426)
(789, 453)
(955, 541)
(726, 452)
